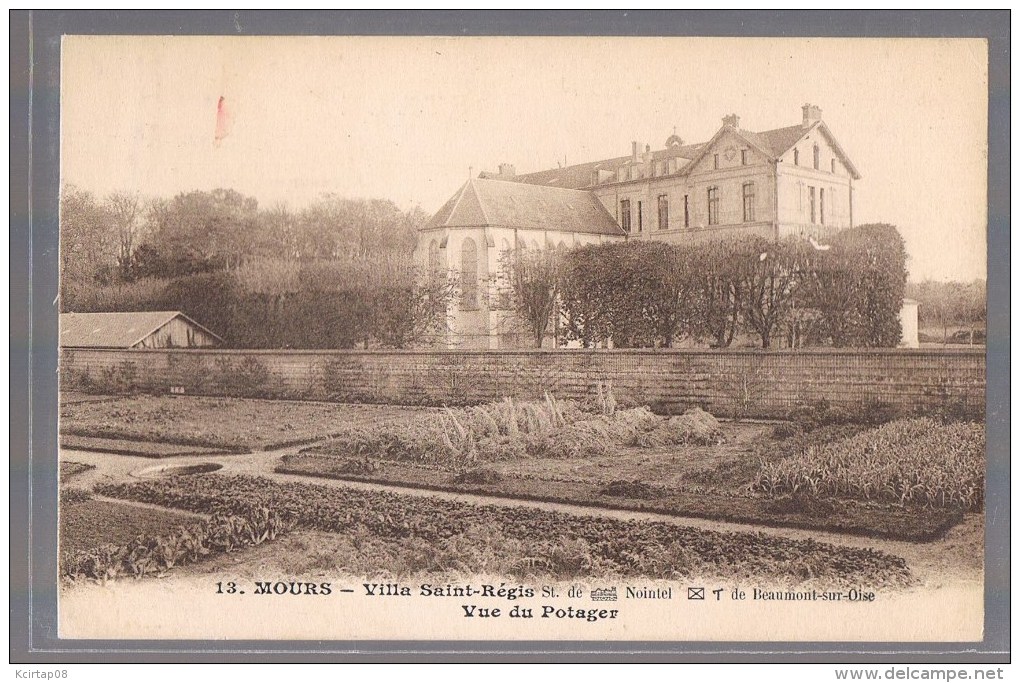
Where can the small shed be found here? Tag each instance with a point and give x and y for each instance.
(139, 330)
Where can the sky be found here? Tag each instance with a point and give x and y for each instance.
(408, 118)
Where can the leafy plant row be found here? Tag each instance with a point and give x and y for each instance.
(616, 547)
(916, 461)
(246, 526)
(510, 430)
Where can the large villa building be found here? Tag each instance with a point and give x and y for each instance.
(796, 180)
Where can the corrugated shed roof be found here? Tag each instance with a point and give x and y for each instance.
(503, 203)
(114, 330)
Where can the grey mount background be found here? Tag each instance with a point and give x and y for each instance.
(34, 144)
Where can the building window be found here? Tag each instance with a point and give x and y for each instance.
(687, 211)
(811, 194)
(715, 159)
(469, 274)
(435, 262)
(816, 157)
(832, 165)
(663, 212)
(640, 216)
(821, 206)
(713, 206)
(796, 157)
(748, 202)
(625, 214)
(745, 157)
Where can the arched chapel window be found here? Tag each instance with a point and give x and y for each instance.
(469, 273)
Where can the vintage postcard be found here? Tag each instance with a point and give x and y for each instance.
(515, 339)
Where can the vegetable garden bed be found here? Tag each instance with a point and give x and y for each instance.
(234, 424)
(850, 517)
(69, 470)
(86, 524)
(142, 449)
(520, 541)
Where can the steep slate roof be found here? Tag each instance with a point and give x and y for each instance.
(502, 203)
(773, 142)
(779, 140)
(579, 176)
(115, 330)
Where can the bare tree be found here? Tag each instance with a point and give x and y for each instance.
(770, 283)
(533, 278)
(125, 211)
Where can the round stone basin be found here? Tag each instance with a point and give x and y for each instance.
(177, 470)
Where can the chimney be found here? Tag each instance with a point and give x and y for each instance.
(812, 114)
(507, 171)
(647, 157)
(635, 151)
(733, 121)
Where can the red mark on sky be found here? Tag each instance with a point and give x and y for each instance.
(224, 121)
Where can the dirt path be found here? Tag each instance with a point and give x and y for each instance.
(958, 556)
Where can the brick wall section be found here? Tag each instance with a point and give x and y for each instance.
(727, 383)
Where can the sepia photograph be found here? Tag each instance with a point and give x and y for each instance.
(559, 338)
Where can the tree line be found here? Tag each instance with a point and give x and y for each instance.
(124, 237)
(340, 274)
(336, 274)
(848, 292)
(957, 306)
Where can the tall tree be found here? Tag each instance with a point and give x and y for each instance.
(719, 277)
(201, 231)
(88, 246)
(126, 215)
(587, 290)
(676, 301)
(534, 278)
(773, 272)
(858, 287)
(335, 227)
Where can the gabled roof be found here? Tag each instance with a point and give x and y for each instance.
(483, 202)
(773, 143)
(749, 137)
(115, 330)
(839, 150)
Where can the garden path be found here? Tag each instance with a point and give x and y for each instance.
(953, 558)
